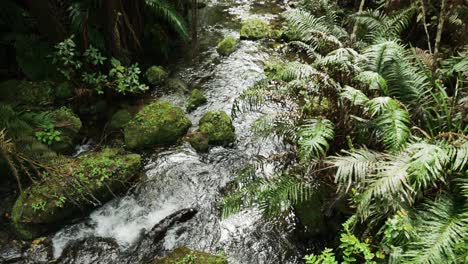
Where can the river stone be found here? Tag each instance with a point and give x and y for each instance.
(218, 128)
(156, 75)
(177, 85)
(186, 255)
(120, 119)
(254, 28)
(227, 45)
(52, 201)
(159, 123)
(196, 99)
(199, 141)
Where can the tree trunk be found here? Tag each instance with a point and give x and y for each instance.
(47, 20)
(123, 32)
(440, 29)
(355, 28)
(423, 13)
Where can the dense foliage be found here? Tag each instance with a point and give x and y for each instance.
(377, 115)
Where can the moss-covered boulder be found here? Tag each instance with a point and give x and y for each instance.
(199, 141)
(254, 28)
(186, 255)
(227, 45)
(276, 34)
(69, 125)
(217, 126)
(156, 75)
(177, 85)
(159, 123)
(83, 181)
(119, 119)
(34, 94)
(196, 99)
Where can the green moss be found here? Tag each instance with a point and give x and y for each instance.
(274, 69)
(69, 125)
(254, 28)
(27, 93)
(120, 119)
(183, 255)
(217, 126)
(199, 142)
(196, 99)
(177, 85)
(73, 182)
(63, 91)
(159, 123)
(156, 75)
(227, 45)
(276, 34)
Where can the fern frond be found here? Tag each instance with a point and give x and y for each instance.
(374, 81)
(314, 138)
(164, 10)
(355, 96)
(440, 226)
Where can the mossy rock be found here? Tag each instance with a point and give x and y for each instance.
(156, 75)
(186, 255)
(274, 69)
(159, 123)
(217, 126)
(177, 85)
(227, 45)
(69, 125)
(276, 34)
(254, 28)
(199, 142)
(120, 119)
(196, 99)
(92, 176)
(33, 94)
(63, 91)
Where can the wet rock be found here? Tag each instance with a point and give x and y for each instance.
(156, 75)
(152, 243)
(254, 28)
(199, 141)
(12, 252)
(68, 124)
(186, 255)
(177, 85)
(218, 128)
(91, 250)
(87, 181)
(120, 119)
(227, 46)
(196, 99)
(159, 123)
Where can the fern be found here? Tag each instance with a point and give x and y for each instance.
(314, 138)
(164, 10)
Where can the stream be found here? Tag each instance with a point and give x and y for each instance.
(182, 191)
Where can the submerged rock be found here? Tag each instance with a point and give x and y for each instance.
(72, 185)
(120, 119)
(254, 28)
(218, 128)
(159, 123)
(156, 75)
(196, 99)
(177, 85)
(227, 45)
(186, 255)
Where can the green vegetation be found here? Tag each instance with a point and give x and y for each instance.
(254, 28)
(375, 118)
(195, 100)
(227, 46)
(159, 123)
(217, 126)
(120, 119)
(156, 75)
(90, 180)
(183, 255)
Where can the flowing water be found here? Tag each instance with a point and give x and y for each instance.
(179, 178)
